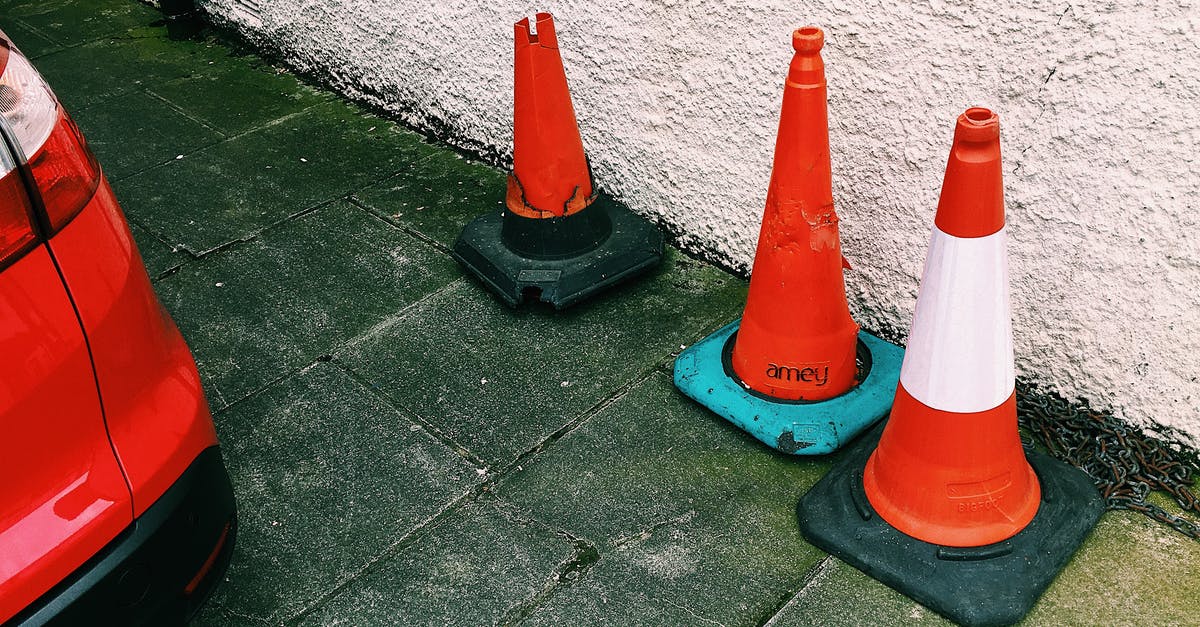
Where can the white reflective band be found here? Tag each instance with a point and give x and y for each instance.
(960, 356)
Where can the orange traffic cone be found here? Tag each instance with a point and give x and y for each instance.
(550, 174)
(791, 376)
(797, 340)
(949, 508)
(558, 240)
(950, 468)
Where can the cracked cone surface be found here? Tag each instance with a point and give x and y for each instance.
(949, 468)
(797, 340)
(550, 171)
(558, 240)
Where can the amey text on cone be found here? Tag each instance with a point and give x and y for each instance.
(557, 240)
(795, 371)
(945, 505)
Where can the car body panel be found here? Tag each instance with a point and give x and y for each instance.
(161, 568)
(63, 496)
(115, 506)
(155, 408)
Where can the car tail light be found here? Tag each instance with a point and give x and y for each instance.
(63, 168)
(16, 227)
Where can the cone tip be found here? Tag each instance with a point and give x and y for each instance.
(972, 199)
(541, 31)
(808, 39)
(978, 124)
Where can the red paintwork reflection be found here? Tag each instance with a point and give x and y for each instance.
(157, 415)
(62, 496)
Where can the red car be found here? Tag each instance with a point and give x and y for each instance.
(115, 506)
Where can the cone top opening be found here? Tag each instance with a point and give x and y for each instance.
(541, 31)
(978, 124)
(808, 39)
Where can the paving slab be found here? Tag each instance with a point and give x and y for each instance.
(69, 22)
(476, 568)
(157, 256)
(233, 190)
(134, 131)
(1131, 571)
(327, 477)
(254, 313)
(837, 594)
(500, 381)
(437, 196)
(86, 74)
(693, 520)
(30, 41)
(236, 92)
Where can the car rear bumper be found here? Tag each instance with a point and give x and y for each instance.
(161, 568)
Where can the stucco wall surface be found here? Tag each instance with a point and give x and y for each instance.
(678, 104)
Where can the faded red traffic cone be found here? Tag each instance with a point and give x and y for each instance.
(788, 371)
(550, 174)
(558, 241)
(797, 340)
(947, 507)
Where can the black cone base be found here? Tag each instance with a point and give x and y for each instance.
(989, 585)
(560, 261)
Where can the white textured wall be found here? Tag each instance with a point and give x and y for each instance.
(678, 103)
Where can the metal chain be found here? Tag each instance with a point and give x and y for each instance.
(1125, 463)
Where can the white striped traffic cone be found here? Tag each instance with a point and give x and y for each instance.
(949, 468)
(945, 506)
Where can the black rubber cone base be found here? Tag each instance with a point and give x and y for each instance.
(560, 261)
(995, 584)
